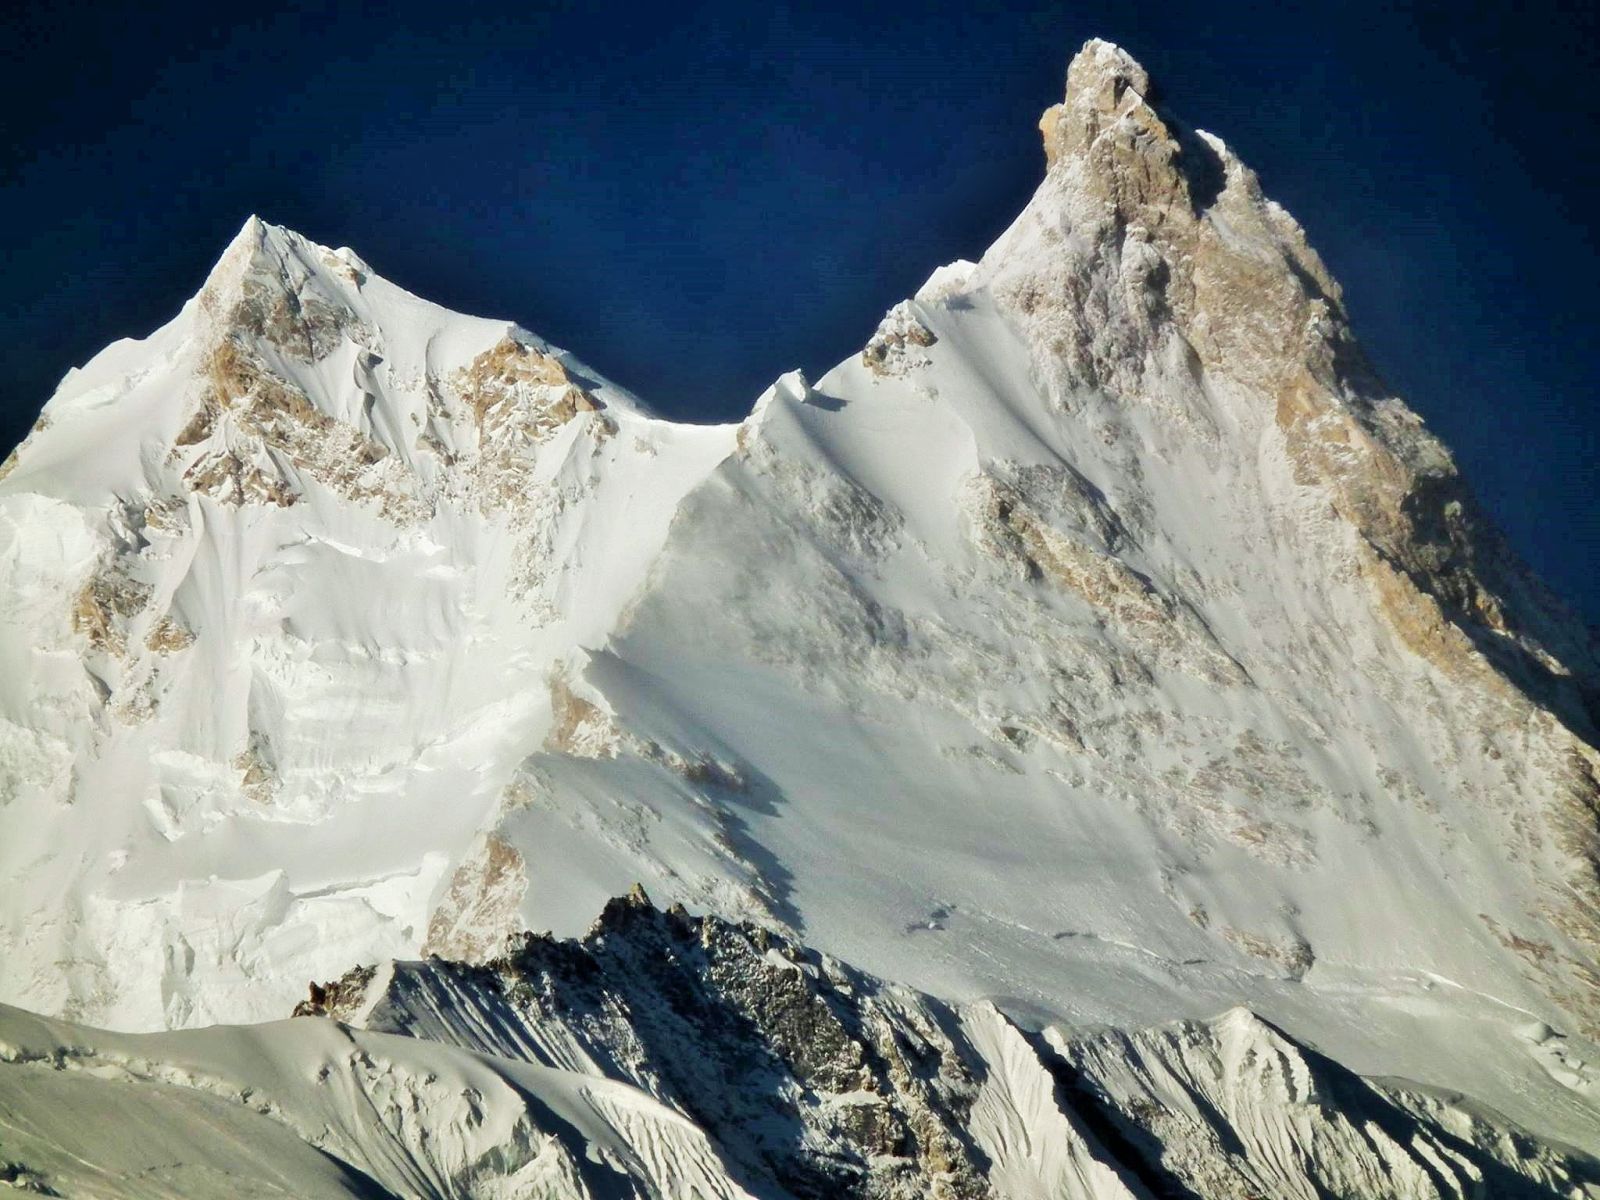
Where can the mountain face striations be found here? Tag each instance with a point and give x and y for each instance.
(1100, 649)
(677, 1056)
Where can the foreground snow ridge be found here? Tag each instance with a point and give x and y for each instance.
(678, 1056)
(1103, 642)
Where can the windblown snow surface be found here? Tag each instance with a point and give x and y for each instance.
(1103, 643)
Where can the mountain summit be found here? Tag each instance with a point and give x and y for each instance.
(1102, 640)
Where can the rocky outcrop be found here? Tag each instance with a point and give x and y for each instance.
(806, 1074)
(1225, 279)
(481, 906)
(895, 347)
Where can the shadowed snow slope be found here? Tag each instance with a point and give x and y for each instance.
(1103, 640)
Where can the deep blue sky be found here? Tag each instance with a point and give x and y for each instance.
(695, 203)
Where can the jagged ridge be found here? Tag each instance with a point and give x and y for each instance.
(665, 1054)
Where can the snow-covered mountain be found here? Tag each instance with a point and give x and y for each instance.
(1102, 641)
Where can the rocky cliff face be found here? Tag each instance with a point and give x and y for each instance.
(1103, 639)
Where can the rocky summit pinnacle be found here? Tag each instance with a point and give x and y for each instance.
(1101, 648)
(1103, 85)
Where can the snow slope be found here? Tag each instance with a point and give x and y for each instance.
(311, 1109)
(1103, 640)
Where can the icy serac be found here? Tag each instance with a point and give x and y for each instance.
(1103, 640)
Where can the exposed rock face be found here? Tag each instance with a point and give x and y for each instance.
(1103, 637)
(482, 905)
(893, 349)
(808, 1075)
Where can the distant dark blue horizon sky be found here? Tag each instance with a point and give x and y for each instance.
(696, 200)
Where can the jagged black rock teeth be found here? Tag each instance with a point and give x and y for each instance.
(1103, 638)
(823, 1081)
(809, 1077)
